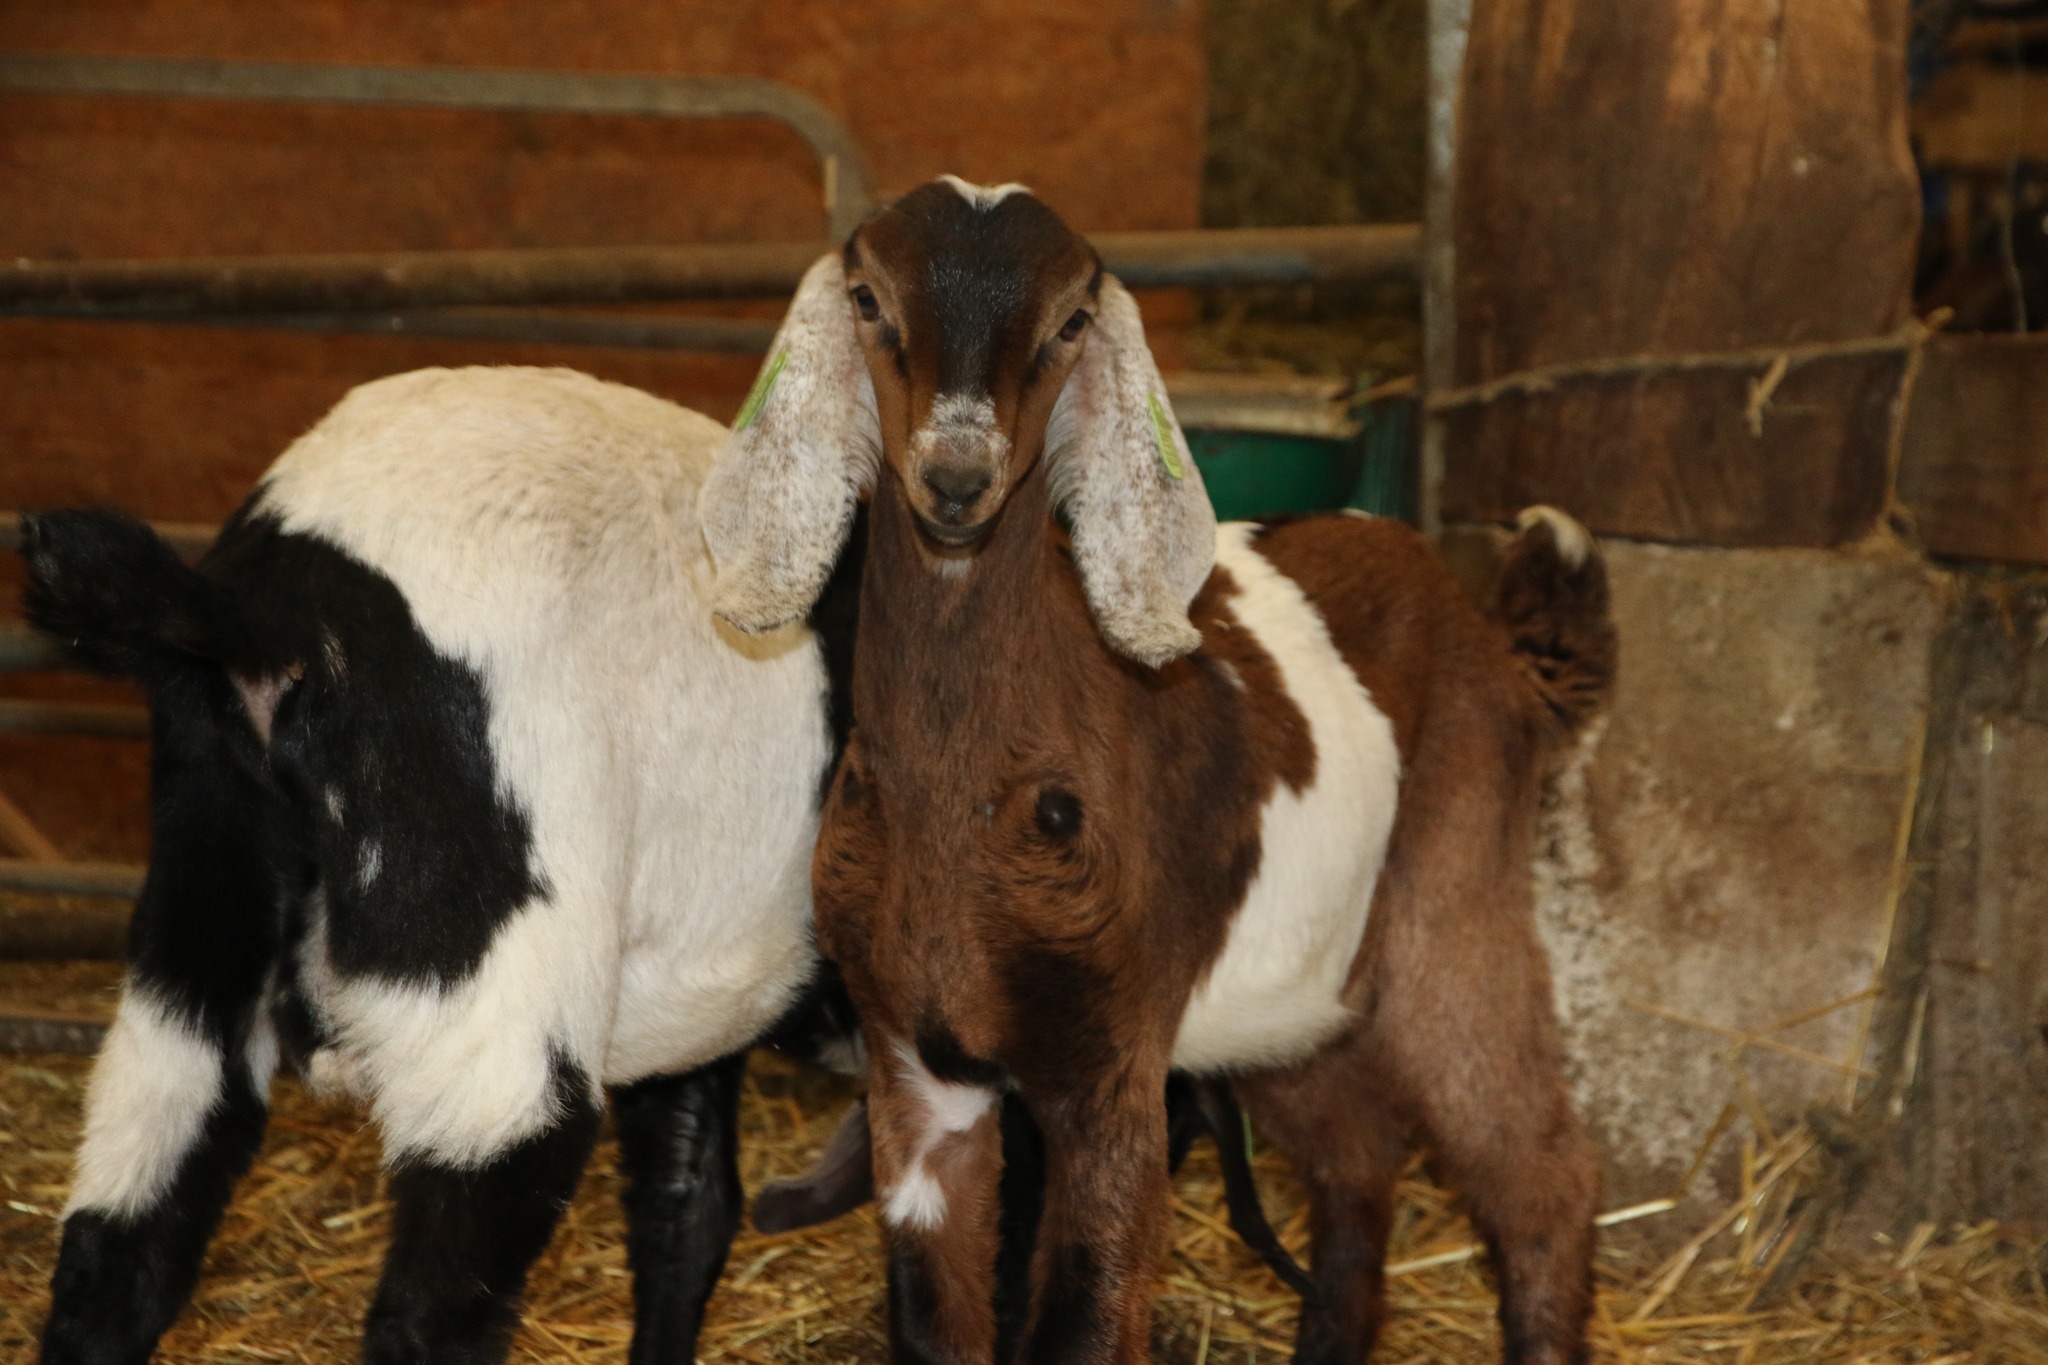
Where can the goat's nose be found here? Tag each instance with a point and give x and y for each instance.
(956, 487)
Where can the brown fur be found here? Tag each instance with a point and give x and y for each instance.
(995, 946)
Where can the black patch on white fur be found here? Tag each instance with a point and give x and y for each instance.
(396, 735)
(679, 1152)
(462, 1241)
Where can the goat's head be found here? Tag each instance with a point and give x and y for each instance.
(962, 335)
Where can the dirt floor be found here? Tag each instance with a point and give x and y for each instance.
(291, 1272)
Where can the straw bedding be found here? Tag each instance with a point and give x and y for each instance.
(292, 1269)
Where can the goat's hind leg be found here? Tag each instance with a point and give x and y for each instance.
(179, 1094)
(463, 1240)
(1329, 1118)
(1481, 1061)
(679, 1152)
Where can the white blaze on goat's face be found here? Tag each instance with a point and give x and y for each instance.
(971, 307)
(955, 449)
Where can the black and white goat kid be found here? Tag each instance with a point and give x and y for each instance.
(462, 803)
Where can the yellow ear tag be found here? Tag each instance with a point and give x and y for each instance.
(1162, 432)
(751, 409)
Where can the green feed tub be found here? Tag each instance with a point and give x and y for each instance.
(1270, 473)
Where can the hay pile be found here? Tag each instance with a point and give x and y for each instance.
(1316, 115)
(292, 1270)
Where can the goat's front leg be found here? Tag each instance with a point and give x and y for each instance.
(679, 1151)
(1104, 1221)
(938, 1168)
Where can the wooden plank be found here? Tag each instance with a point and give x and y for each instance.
(1974, 466)
(97, 935)
(1985, 1061)
(20, 834)
(1675, 457)
(1977, 117)
(1672, 179)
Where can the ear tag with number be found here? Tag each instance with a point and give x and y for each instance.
(751, 409)
(1162, 432)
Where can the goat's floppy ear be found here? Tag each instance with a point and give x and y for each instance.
(1143, 531)
(780, 501)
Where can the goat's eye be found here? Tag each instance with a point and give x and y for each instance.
(1073, 325)
(1058, 813)
(864, 299)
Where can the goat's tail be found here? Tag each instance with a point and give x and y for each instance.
(1552, 597)
(118, 599)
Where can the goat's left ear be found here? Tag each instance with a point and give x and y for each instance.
(1143, 531)
(780, 501)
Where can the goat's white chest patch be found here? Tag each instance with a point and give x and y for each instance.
(1275, 992)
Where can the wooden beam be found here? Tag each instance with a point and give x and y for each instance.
(1974, 466)
(1979, 117)
(1682, 456)
(95, 935)
(19, 833)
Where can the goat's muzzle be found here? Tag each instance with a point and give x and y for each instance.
(953, 506)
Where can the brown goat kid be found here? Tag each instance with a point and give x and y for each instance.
(1129, 791)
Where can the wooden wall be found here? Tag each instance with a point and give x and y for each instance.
(1676, 178)
(1096, 103)
(1099, 104)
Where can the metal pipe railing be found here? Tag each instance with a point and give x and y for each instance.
(847, 187)
(546, 326)
(214, 287)
(91, 720)
(118, 880)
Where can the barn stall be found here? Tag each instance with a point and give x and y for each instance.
(1747, 291)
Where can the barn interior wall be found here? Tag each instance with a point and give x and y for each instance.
(1098, 105)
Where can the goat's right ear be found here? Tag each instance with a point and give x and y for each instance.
(780, 500)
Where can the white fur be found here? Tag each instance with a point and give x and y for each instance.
(917, 1200)
(156, 1080)
(543, 528)
(1275, 992)
(780, 503)
(260, 697)
(1143, 540)
(984, 197)
(1573, 543)
(961, 422)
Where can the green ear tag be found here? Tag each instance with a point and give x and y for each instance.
(751, 409)
(1162, 432)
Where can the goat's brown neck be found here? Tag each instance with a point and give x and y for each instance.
(949, 650)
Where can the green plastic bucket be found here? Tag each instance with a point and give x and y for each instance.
(1253, 473)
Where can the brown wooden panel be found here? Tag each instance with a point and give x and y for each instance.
(1966, 120)
(1098, 103)
(1974, 469)
(1673, 457)
(1977, 1150)
(1684, 176)
(1679, 178)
